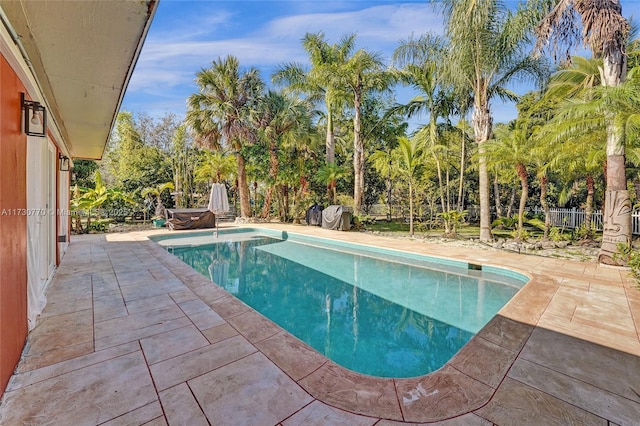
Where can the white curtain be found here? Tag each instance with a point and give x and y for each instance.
(37, 256)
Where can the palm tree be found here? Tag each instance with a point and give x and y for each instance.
(487, 44)
(605, 30)
(330, 174)
(511, 147)
(156, 192)
(410, 162)
(277, 117)
(215, 167)
(575, 144)
(587, 120)
(363, 73)
(423, 64)
(465, 137)
(320, 81)
(219, 113)
(543, 159)
(585, 162)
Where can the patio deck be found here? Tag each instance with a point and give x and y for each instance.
(131, 335)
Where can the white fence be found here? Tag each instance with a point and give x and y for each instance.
(574, 218)
(568, 218)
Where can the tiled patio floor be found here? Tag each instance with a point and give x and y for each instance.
(132, 336)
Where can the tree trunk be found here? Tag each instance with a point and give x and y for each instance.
(285, 196)
(617, 210)
(243, 188)
(545, 206)
(358, 155)
(512, 200)
(273, 175)
(279, 199)
(636, 185)
(588, 208)
(410, 210)
(432, 137)
(522, 174)
(460, 186)
(266, 208)
(330, 140)
(496, 195)
(448, 189)
(481, 120)
(333, 191)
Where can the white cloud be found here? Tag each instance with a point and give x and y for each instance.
(175, 52)
(381, 24)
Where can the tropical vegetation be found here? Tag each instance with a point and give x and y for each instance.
(331, 130)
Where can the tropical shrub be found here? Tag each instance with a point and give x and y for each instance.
(520, 235)
(582, 233)
(99, 225)
(505, 222)
(626, 255)
(634, 265)
(557, 234)
(453, 219)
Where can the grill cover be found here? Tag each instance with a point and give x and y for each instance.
(314, 215)
(178, 219)
(336, 217)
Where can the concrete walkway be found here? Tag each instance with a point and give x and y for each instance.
(131, 335)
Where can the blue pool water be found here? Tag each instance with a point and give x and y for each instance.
(379, 314)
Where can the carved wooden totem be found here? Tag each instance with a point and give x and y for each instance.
(616, 225)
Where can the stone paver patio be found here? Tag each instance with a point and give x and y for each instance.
(131, 335)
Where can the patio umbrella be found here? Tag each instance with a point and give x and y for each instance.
(218, 201)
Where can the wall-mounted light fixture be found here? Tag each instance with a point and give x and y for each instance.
(35, 117)
(64, 163)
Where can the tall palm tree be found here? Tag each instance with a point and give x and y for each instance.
(512, 147)
(321, 80)
(465, 137)
(410, 153)
(277, 117)
(219, 114)
(587, 118)
(423, 65)
(487, 50)
(586, 163)
(605, 30)
(576, 144)
(544, 158)
(362, 73)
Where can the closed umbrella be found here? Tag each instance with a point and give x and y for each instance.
(218, 201)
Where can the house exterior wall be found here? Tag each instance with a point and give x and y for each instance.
(18, 253)
(13, 224)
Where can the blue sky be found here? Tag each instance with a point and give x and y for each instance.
(186, 36)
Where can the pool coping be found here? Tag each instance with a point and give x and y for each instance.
(466, 383)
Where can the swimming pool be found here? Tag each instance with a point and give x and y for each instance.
(375, 311)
